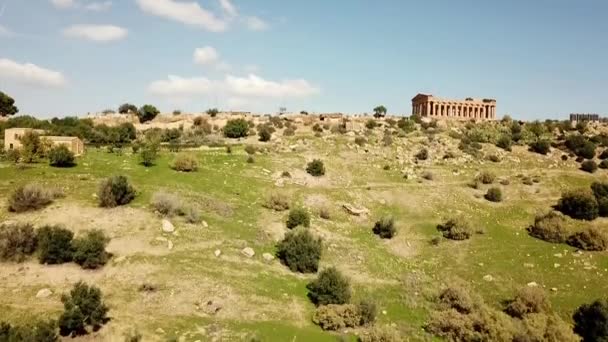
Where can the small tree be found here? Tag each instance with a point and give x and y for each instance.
(591, 321)
(31, 147)
(504, 142)
(456, 229)
(494, 195)
(61, 156)
(127, 108)
(54, 245)
(300, 251)
(149, 153)
(331, 287)
(380, 112)
(212, 112)
(540, 146)
(147, 113)
(265, 134)
(298, 217)
(589, 166)
(7, 105)
(236, 128)
(385, 228)
(316, 168)
(90, 250)
(83, 307)
(115, 191)
(579, 204)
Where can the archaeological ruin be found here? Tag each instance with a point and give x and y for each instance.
(426, 105)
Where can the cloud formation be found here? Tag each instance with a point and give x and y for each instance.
(31, 74)
(206, 55)
(176, 86)
(96, 33)
(99, 6)
(87, 5)
(257, 24)
(64, 3)
(189, 13)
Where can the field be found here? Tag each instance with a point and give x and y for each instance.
(201, 296)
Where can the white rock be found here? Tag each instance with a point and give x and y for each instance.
(248, 252)
(170, 245)
(217, 253)
(205, 225)
(168, 227)
(532, 284)
(488, 278)
(44, 293)
(120, 259)
(268, 257)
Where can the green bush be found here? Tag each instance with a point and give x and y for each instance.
(528, 300)
(455, 229)
(378, 334)
(127, 108)
(29, 197)
(423, 154)
(371, 124)
(298, 217)
(599, 189)
(147, 113)
(367, 311)
(602, 206)
(550, 227)
(545, 327)
(149, 153)
(540, 146)
(83, 307)
(406, 125)
(289, 132)
(589, 239)
(300, 251)
(12, 156)
(330, 287)
(504, 142)
(317, 128)
(54, 245)
(41, 331)
(115, 191)
(337, 317)
(493, 195)
(385, 228)
(579, 204)
(457, 298)
(17, 241)
(591, 321)
(236, 128)
(212, 112)
(90, 250)
(361, 141)
(251, 150)
(265, 134)
(276, 202)
(316, 168)
(32, 147)
(589, 166)
(486, 177)
(184, 163)
(61, 156)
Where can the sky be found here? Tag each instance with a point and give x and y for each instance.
(538, 58)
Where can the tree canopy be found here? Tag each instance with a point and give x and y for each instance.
(7, 105)
(379, 111)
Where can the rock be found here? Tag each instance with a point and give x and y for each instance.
(558, 255)
(170, 244)
(160, 331)
(554, 289)
(528, 265)
(532, 284)
(268, 257)
(205, 225)
(384, 312)
(217, 253)
(488, 278)
(44, 293)
(248, 252)
(556, 265)
(168, 227)
(120, 259)
(355, 211)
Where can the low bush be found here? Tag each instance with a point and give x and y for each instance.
(550, 227)
(149, 153)
(504, 142)
(603, 164)
(337, 317)
(191, 215)
(300, 251)
(368, 311)
(265, 134)
(325, 213)
(589, 239)
(13, 156)
(599, 190)
(604, 154)
(278, 202)
(423, 154)
(29, 197)
(166, 203)
(379, 334)
(298, 217)
(250, 149)
(289, 132)
(236, 128)
(330, 287)
(540, 147)
(250, 160)
(371, 124)
(17, 241)
(61, 156)
(184, 163)
(545, 327)
(83, 307)
(90, 250)
(361, 141)
(494, 158)
(54, 245)
(428, 175)
(41, 331)
(456, 229)
(316, 168)
(385, 228)
(589, 166)
(493, 195)
(486, 177)
(115, 191)
(579, 204)
(591, 321)
(484, 324)
(317, 128)
(528, 300)
(457, 298)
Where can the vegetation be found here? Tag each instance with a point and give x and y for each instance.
(83, 307)
(277, 202)
(29, 197)
(41, 331)
(147, 113)
(213, 112)
(528, 300)
(300, 251)
(54, 245)
(589, 239)
(550, 227)
(579, 204)
(17, 241)
(486, 177)
(589, 166)
(493, 195)
(127, 108)
(265, 134)
(7, 105)
(540, 147)
(61, 156)
(591, 321)
(31, 147)
(115, 191)
(298, 217)
(236, 128)
(184, 163)
(330, 287)
(149, 153)
(385, 228)
(316, 168)
(90, 250)
(380, 111)
(423, 154)
(456, 229)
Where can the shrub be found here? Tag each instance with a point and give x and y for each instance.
(455, 229)
(589, 166)
(589, 239)
(591, 321)
(486, 177)
(528, 300)
(17, 241)
(317, 128)
(428, 175)
(61, 156)
(83, 307)
(166, 203)
(212, 112)
(31, 147)
(493, 195)
(337, 317)
(457, 298)
(289, 132)
(250, 149)
(236, 128)
(377, 334)
(540, 146)
(385, 228)
(29, 197)
(127, 108)
(300, 251)
(90, 250)
(504, 142)
(277, 202)
(265, 134)
(483, 325)
(184, 163)
(604, 164)
(149, 153)
(147, 113)
(250, 160)
(545, 327)
(324, 213)
(579, 204)
(423, 154)
(54, 245)
(115, 191)
(12, 156)
(549, 227)
(361, 141)
(298, 217)
(316, 168)
(330, 287)
(38, 332)
(367, 311)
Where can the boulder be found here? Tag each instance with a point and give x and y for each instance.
(268, 257)
(354, 210)
(248, 252)
(488, 278)
(217, 253)
(168, 227)
(44, 293)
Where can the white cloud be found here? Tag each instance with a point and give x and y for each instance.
(64, 3)
(189, 13)
(228, 8)
(97, 33)
(258, 87)
(176, 86)
(257, 24)
(30, 74)
(206, 55)
(99, 6)
(5, 32)
(90, 5)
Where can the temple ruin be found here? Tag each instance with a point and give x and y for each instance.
(469, 109)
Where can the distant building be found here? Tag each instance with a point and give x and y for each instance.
(576, 117)
(12, 140)
(470, 109)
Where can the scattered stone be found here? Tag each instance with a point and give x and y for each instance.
(248, 252)
(217, 253)
(160, 331)
(532, 284)
(268, 257)
(528, 265)
(120, 259)
(355, 211)
(44, 293)
(169, 244)
(205, 225)
(558, 255)
(488, 278)
(384, 312)
(556, 265)
(554, 289)
(168, 227)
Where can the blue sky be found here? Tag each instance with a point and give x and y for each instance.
(538, 58)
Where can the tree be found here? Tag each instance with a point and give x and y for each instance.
(265, 134)
(127, 108)
(236, 128)
(147, 113)
(31, 147)
(61, 156)
(579, 204)
(316, 168)
(331, 287)
(212, 112)
(84, 306)
(591, 321)
(149, 153)
(300, 251)
(379, 112)
(7, 105)
(115, 191)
